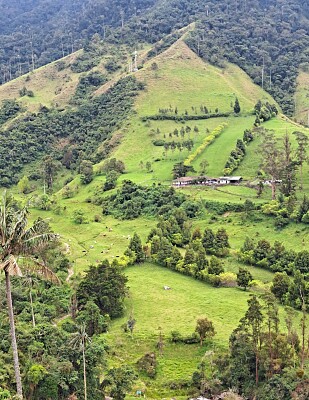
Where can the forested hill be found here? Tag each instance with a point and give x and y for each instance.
(36, 32)
(269, 39)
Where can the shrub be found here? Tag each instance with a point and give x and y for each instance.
(207, 141)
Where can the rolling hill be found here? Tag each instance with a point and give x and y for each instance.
(107, 112)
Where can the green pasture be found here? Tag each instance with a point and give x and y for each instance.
(157, 309)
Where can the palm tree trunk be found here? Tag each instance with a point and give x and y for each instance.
(32, 311)
(13, 336)
(85, 378)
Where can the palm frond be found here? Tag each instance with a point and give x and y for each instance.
(38, 227)
(42, 270)
(10, 265)
(18, 226)
(37, 241)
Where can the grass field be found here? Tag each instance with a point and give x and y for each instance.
(302, 97)
(176, 309)
(184, 81)
(174, 85)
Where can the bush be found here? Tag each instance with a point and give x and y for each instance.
(148, 364)
(207, 141)
(79, 217)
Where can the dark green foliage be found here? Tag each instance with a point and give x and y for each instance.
(263, 361)
(87, 84)
(51, 368)
(180, 170)
(275, 258)
(105, 285)
(231, 31)
(113, 165)
(205, 329)
(184, 117)
(111, 180)
(132, 200)
(9, 109)
(244, 278)
(221, 207)
(280, 287)
(112, 65)
(59, 28)
(264, 112)
(140, 20)
(119, 381)
(248, 136)
(86, 171)
(215, 266)
(236, 106)
(177, 337)
(216, 244)
(136, 247)
(25, 92)
(39, 134)
(95, 323)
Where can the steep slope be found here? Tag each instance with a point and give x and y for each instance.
(302, 98)
(182, 80)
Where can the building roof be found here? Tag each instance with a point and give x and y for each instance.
(186, 178)
(231, 178)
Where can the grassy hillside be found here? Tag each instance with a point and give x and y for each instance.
(183, 81)
(49, 85)
(302, 97)
(177, 309)
(176, 79)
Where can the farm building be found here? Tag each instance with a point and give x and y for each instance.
(230, 180)
(205, 180)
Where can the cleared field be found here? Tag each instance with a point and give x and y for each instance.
(302, 98)
(175, 309)
(185, 82)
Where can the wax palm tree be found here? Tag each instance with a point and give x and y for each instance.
(18, 240)
(80, 339)
(29, 281)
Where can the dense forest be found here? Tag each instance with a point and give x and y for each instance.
(268, 39)
(78, 130)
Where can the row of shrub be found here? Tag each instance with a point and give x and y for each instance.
(237, 155)
(221, 208)
(274, 258)
(264, 112)
(163, 117)
(206, 142)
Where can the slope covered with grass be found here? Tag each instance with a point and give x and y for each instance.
(302, 97)
(180, 81)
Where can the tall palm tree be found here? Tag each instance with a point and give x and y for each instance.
(29, 281)
(80, 339)
(19, 240)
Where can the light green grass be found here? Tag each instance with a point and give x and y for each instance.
(218, 152)
(184, 81)
(176, 309)
(302, 97)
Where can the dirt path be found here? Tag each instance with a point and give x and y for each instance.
(70, 274)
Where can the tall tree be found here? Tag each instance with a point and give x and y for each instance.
(301, 152)
(288, 172)
(17, 239)
(80, 339)
(254, 319)
(50, 169)
(236, 106)
(271, 160)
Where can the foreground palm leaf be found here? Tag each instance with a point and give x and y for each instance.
(17, 240)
